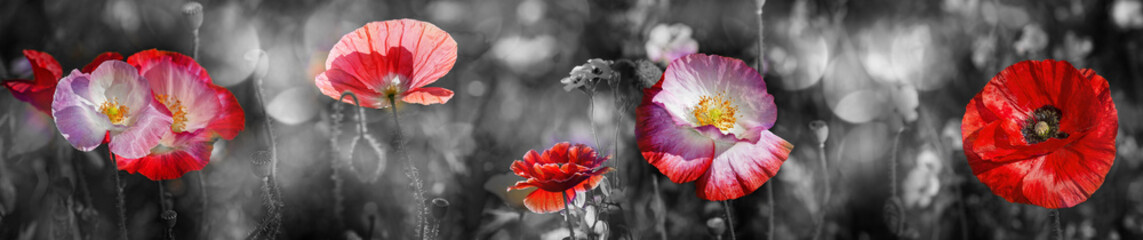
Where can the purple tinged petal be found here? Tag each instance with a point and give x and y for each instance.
(689, 78)
(149, 127)
(123, 84)
(75, 114)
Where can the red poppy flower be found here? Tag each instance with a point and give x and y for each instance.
(1042, 133)
(46, 72)
(201, 112)
(391, 59)
(708, 119)
(561, 169)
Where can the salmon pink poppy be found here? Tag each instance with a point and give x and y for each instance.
(201, 112)
(1041, 133)
(39, 90)
(708, 119)
(564, 168)
(114, 103)
(383, 62)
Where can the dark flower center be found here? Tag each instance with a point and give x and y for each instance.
(1043, 125)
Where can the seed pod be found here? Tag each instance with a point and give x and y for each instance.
(193, 12)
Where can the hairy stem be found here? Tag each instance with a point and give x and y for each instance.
(412, 173)
(568, 213)
(166, 207)
(270, 189)
(591, 117)
(194, 52)
(1057, 231)
(827, 192)
(205, 201)
(770, 220)
(729, 219)
(120, 199)
(660, 219)
(900, 224)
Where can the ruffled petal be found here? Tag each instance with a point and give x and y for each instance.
(427, 95)
(107, 56)
(190, 152)
(44, 62)
(38, 91)
(542, 201)
(556, 154)
(149, 126)
(743, 168)
(679, 152)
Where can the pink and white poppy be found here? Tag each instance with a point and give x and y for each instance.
(112, 102)
(201, 113)
(708, 119)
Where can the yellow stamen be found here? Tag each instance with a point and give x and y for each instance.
(178, 112)
(117, 113)
(716, 111)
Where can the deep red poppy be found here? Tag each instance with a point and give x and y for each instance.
(561, 169)
(46, 74)
(38, 91)
(1042, 133)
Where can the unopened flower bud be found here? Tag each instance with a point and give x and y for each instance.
(193, 11)
(821, 130)
(170, 216)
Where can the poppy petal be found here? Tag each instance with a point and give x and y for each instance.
(542, 201)
(691, 77)
(335, 82)
(427, 95)
(42, 61)
(148, 128)
(103, 57)
(677, 151)
(191, 152)
(230, 119)
(743, 168)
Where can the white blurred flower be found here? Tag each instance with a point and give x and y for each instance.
(1033, 39)
(522, 53)
(984, 51)
(668, 42)
(1127, 14)
(922, 183)
(951, 135)
(1075, 48)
